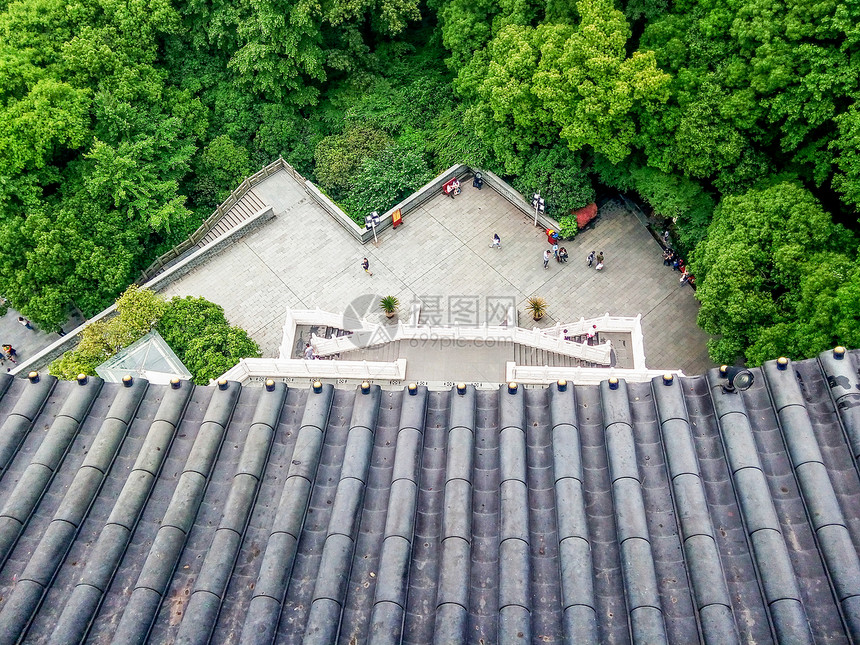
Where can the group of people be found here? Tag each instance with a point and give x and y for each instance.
(592, 258)
(673, 259)
(560, 255)
(591, 336)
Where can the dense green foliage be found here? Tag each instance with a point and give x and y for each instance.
(195, 329)
(123, 124)
(204, 341)
(137, 312)
(769, 257)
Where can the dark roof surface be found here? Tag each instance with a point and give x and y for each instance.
(655, 512)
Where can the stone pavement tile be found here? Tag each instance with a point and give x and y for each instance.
(281, 191)
(461, 278)
(399, 250)
(237, 279)
(439, 361)
(672, 337)
(469, 215)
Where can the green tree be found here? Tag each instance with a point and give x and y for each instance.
(281, 53)
(197, 330)
(507, 112)
(847, 145)
(592, 87)
(759, 87)
(339, 157)
(466, 26)
(137, 312)
(385, 180)
(751, 268)
(678, 198)
(558, 175)
(221, 167)
(93, 147)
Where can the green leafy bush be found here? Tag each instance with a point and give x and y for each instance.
(340, 158)
(568, 227)
(138, 310)
(773, 276)
(558, 175)
(197, 330)
(678, 198)
(385, 180)
(221, 167)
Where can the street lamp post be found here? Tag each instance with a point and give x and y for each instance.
(539, 204)
(370, 223)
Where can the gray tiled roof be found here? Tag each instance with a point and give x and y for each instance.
(642, 513)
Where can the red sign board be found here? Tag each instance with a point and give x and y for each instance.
(397, 218)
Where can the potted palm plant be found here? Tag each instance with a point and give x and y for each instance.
(536, 307)
(389, 305)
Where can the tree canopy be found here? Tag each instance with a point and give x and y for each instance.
(767, 272)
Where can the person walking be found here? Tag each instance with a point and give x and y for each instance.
(546, 259)
(309, 352)
(497, 242)
(600, 258)
(25, 322)
(10, 353)
(555, 250)
(365, 264)
(590, 259)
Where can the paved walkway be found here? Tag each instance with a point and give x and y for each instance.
(441, 255)
(25, 341)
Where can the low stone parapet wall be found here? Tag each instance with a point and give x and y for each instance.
(257, 370)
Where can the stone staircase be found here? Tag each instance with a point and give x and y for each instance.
(242, 210)
(385, 353)
(582, 338)
(520, 354)
(524, 355)
(304, 333)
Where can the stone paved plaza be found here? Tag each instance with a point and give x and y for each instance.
(304, 259)
(28, 342)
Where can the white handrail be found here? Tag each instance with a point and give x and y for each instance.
(552, 339)
(275, 368)
(599, 354)
(604, 323)
(295, 317)
(541, 375)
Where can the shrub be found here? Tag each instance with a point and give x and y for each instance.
(536, 306)
(558, 175)
(197, 330)
(138, 310)
(385, 180)
(568, 227)
(221, 166)
(194, 328)
(339, 158)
